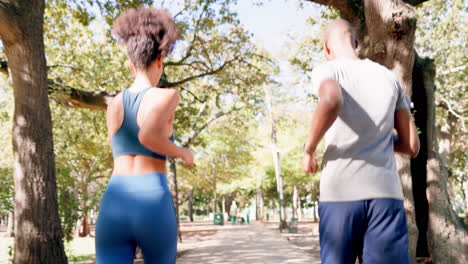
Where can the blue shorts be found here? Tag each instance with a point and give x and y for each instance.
(374, 231)
(136, 210)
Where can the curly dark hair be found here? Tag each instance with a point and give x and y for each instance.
(147, 32)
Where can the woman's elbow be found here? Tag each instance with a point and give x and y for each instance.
(144, 137)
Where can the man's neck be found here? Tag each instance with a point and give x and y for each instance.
(345, 53)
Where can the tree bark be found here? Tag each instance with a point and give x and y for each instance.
(259, 204)
(10, 231)
(223, 205)
(190, 206)
(84, 226)
(228, 204)
(295, 199)
(172, 178)
(300, 211)
(38, 236)
(215, 198)
(314, 206)
(447, 237)
(276, 162)
(418, 165)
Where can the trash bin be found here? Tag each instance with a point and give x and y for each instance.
(292, 226)
(233, 219)
(248, 219)
(218, 219)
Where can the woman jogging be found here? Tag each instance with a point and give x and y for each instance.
(137, 207)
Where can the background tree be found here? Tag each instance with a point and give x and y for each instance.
(38, 235)
(442, 34)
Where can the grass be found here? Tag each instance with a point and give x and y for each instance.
(79, 251)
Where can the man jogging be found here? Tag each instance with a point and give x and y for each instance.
(361, 199)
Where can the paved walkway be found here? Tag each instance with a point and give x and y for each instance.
(247, 244)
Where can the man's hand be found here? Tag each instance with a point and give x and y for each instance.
(309, 163)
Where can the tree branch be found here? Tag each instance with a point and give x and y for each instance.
(456, 69)
(338, 4)
(72, 97)
(8, 30)
(192, 94)
(220, 68)
(415, 2)
(76, 98)
(188, 53)
(4, 67)
(197, 132)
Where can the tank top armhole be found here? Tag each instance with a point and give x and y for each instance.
(138, 104)
(124, 92)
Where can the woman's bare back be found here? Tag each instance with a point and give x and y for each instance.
(139, 164)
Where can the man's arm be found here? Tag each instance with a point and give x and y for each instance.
(407, 138)
(328, 108)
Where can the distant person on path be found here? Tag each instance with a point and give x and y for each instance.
(137, 207)
(361, 199)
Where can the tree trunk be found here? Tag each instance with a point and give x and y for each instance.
(314, 206)
(300, 211)
(465, 190)
(228, 204)
(84, 226)
(223, 203)
(190, 206)
(294, 202)
(10, 231)
(418, 165)
(447, 237)
(276, 162)
(213, 171)
(259, 204)
(172, 178)
(38, 235)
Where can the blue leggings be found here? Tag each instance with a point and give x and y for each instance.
(136, 210)
(374, 231)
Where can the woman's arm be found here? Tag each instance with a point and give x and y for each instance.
(151, 131)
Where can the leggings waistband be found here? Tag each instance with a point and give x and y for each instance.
(153, 181)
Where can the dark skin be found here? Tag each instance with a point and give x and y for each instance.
(339, 43)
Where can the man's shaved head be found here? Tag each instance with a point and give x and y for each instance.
(339, 37)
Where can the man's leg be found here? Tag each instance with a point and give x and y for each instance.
(386, 238)
(342, 227)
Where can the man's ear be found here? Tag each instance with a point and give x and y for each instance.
(326, 48)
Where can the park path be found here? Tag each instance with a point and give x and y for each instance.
(247, 244)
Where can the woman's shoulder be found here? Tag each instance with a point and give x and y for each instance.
(166, 93)
(114, 101)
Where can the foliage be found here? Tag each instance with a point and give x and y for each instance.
(214, 67)
(6, 153)
(223, 166)
(7, 190)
